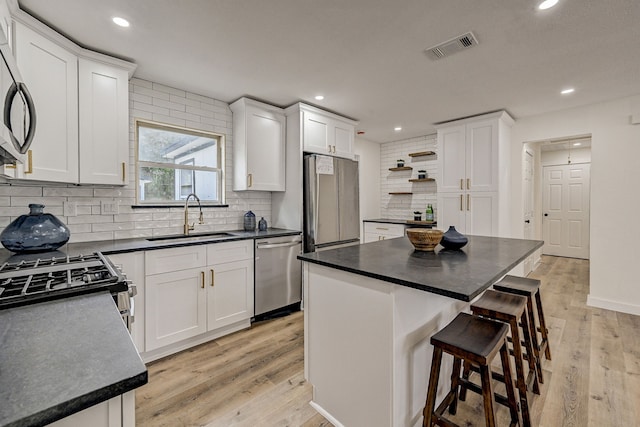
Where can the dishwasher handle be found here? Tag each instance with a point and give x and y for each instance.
(278, 245)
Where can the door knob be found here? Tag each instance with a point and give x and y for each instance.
(527, 221)
(546, 214)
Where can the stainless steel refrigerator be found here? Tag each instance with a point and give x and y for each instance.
(331, 202)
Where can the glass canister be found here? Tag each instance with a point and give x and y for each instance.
(35, 232)
(249, 221)
(262, 224)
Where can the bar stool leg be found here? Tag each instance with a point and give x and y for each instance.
(455, 381)
(521, 383)
(433, 388)
(487, 395)
(534, 335)
(543, 326)
(466, 372)
(533, 361)
(508, 381)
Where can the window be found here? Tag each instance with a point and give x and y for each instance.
(174, 162)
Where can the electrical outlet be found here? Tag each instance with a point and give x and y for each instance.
(109, 207)
(69, 209)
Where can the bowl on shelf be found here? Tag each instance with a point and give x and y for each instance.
(424, 239)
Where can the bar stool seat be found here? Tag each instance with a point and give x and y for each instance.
(530, 288)
(511, 309)
(476, 341)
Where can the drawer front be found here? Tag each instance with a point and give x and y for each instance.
(396, 230)
(219, 253)
(175, 259)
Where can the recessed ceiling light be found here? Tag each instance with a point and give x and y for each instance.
(120, 21)
(397, 128)
(576, 144)
(567, 91)
(547, 4)
(319, 97)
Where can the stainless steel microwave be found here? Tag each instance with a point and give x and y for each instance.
(18, 122)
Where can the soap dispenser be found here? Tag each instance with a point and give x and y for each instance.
(262, 224)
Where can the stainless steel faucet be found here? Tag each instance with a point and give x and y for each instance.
(188, 227)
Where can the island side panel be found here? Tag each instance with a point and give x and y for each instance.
(348, 333)
(367, 349)
(417, 316)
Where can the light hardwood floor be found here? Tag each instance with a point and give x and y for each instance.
(255, 377)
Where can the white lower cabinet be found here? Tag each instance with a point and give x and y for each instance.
(374, 231)
(118, 411)
(132, 265)
(196, 289)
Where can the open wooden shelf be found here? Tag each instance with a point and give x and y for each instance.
(398, 193)
(422, 153)
(404, 168)
(421, 179)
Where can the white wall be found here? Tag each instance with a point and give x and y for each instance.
(615, 200)
(560, 157)
(369, 176)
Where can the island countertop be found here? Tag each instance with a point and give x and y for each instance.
(460, 274)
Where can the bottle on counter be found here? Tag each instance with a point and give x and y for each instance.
(429, 213)
(262, 224)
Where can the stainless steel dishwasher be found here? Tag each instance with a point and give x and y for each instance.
(278, 275)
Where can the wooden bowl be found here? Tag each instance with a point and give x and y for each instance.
(424, 239)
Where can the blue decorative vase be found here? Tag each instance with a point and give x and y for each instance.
(262, 224)
(249, 221)
(35, 232)
(452, 239)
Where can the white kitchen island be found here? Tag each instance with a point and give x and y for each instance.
(370, 311)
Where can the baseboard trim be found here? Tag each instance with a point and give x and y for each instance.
(613, 305)
(325, 414)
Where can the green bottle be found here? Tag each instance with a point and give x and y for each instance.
(429, 213)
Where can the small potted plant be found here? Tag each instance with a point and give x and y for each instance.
(400, 163)
(422, 174)
(417, 215)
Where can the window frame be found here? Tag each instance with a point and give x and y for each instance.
(220, 170)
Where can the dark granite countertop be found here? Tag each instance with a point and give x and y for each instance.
(60, 357)
(142, 244)
(461, 274)
(402, 222)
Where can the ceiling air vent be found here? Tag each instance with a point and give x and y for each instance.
(465, 41)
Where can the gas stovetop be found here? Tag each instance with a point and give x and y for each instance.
(43, 279)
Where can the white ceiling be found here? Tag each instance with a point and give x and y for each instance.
(367, 56)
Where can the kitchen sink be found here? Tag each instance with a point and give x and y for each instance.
(190, 237)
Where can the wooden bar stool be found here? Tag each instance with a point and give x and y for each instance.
(477, 341)
(530, 288)
(511, 309)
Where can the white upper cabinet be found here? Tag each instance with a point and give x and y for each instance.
(469, 156)
(258, 147)
(473, 186)
(51, 74)
(326, 133)
(81, 100)
(103, 92)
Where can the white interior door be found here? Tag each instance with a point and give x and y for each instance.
(565, 209)
(528, 205)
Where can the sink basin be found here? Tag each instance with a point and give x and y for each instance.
(190, 237)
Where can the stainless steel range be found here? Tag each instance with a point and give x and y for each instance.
(42, 279)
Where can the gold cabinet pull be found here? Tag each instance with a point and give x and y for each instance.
(29, 162)
(381, 228)
(468, 183)
(124, 171)
(334, 148)
(250, 178)
(213, 278)
(468, 202)
(461, 184)
(329, 147)
(461, 208)
(202, 279)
